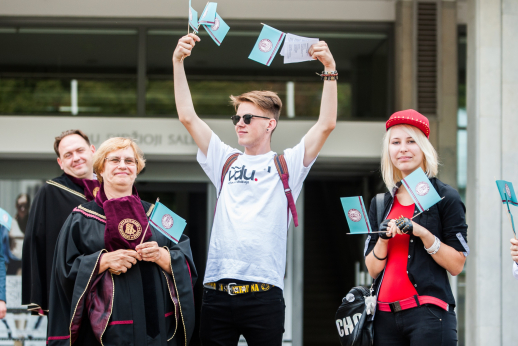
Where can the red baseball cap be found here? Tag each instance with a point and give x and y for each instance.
(410, 117)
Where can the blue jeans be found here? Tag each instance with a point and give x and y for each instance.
(258, 316)
(426, 325)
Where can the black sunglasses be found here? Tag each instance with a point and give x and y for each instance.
(246, 118)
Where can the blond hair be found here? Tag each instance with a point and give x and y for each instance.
(114, 144)
(268, 101)
(392, 175)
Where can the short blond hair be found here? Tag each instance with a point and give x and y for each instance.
(392, 175)
(268, 101)
(111, 145)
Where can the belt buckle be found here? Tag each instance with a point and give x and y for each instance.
(395, 307)
(230, 290)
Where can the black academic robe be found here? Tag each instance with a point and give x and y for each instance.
(144, 306)
(53, 203)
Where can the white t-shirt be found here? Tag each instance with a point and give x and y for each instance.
(515, 270)
(249, 233)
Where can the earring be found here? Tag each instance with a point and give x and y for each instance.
(266, 130)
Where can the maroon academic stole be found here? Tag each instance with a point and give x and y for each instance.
(125, 220)
(90, 186)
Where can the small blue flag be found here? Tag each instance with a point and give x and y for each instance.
(5, 219)
(193, 18)
(218, 30)
(166, 222)
(421, 190)
(355, 214)
(209, 14)
(267, 45)
(507, 194)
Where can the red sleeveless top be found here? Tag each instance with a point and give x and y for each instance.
(396, 285)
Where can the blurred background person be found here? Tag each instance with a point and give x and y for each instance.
(52, 204)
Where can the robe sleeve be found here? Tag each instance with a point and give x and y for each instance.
(73, 273)
(34, 257)
(184, 277)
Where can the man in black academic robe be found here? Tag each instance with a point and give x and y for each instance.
(53, 203)
(143, 306)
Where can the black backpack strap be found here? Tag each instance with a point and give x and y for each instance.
(231, 159)
(282, 169)
(380, 207)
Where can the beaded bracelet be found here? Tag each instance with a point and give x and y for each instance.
(332, 75)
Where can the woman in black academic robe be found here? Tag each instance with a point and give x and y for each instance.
(107, 288)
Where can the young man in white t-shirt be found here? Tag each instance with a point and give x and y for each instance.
(244, 277)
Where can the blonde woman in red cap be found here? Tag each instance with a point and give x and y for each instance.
(410, 261)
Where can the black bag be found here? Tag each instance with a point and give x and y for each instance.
(354, 324)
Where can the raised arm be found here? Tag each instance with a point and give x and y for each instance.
(198, 129)
(317, 135)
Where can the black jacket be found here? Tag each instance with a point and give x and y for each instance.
(53, 203)
(447, 221)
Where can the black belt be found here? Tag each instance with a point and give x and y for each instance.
(233, 288)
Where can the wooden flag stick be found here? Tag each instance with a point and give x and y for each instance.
(367, 233)
(509, 213)
(511, 221)
(144, 235)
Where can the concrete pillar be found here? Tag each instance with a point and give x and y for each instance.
(404, 55)
(492, 105)
(447, 93)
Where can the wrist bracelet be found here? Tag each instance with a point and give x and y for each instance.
(332, 75)
(379, 259)
(432, 250)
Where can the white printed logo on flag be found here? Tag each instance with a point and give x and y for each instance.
(354, 215)
(265, 45)
(422, 188)
(167, 221)
(215, 26)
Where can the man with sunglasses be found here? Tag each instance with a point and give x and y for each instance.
(52, 204)
(244, 277)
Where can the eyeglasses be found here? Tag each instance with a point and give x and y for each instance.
(115, 160)
(246, 118)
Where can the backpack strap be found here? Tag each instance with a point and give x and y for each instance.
(231, 159)
(380, 207)
(282, 169)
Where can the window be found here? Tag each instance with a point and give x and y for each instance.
(43, 68)
(93, 70)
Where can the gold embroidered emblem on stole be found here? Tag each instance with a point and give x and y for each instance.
(130, 229)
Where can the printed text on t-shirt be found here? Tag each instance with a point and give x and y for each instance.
(238, 174)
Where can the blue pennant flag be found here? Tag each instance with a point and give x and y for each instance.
(267, 45)
(507, 194)
(166, 222)
(193, 18)
(218, 30)
(421, 190)
(5, 219)
(356, 215)
(208, 16)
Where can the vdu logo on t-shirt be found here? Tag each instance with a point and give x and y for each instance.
(240, 175)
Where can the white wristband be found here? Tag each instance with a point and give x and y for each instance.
(432, 250)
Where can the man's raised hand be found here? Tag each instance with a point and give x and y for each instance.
(321, 52)
(184, 47)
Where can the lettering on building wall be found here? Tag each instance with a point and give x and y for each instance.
(146, 139)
